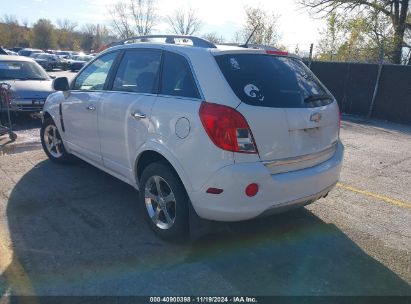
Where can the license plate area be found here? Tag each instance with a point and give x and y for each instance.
(37, 102)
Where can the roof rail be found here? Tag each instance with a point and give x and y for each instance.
(197, 42)
(253, 46)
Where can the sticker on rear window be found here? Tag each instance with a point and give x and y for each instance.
(234, 64)
(253, 91)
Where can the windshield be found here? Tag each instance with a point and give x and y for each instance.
(22, 70)
(83, 58)
(272, 81)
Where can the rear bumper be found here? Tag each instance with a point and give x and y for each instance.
(277, 192)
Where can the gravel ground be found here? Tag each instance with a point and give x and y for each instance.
(74, 230)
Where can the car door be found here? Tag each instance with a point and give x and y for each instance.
(80, 109)
(124, 115)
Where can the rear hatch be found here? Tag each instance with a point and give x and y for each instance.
(293, 117)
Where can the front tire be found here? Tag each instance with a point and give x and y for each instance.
(164, 201)
(52, 143)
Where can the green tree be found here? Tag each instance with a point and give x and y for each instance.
(332, 38)
(44, 35)
(355, 38)
(396, 12)
(12, 33)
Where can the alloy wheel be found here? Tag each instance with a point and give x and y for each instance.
(160, 202)
(53, 141)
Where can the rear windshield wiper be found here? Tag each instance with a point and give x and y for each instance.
(316, 97)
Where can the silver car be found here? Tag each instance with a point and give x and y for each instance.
(30, 84)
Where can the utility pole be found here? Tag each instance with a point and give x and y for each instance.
(377, 82)
(311, 55)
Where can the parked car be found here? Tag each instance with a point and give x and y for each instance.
(30, 84)
(227, 133)
(50, 62)
(35, 55)
(11, 52)
(64, 54)
(29, 52)
(77, 62)
(15, 49)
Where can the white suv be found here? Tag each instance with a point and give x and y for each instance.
(234, 132)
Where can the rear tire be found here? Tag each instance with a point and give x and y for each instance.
(165, 210)
(53, 144)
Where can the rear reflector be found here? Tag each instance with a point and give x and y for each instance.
(214, 190)
(280, 53)
(251, 190)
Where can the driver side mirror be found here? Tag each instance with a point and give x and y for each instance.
(61, 84)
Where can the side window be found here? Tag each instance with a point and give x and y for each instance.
(94, 76)
(177, 79)
(138, 71)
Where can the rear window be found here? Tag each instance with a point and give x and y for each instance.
(272, 81)
(177, 79)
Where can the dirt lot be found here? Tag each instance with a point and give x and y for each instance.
(74, 230)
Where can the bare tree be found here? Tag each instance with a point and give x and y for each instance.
(184, 22)
(263, 22)
(93, 37)
(213, 37)
(9, 19)
(133, 17)
(396, 10)
(144, 14)
(66, 25)
(120, 20)
(66, 36)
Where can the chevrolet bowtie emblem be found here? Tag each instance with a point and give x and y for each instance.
(316, 117)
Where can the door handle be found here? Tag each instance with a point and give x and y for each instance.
(91, 108)
(138, 115)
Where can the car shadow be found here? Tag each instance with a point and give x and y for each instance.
(75, 230)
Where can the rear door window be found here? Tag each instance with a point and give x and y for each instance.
(272, 81)
(177, 79)
(138, 71)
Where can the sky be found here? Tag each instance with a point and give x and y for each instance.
(225, 17)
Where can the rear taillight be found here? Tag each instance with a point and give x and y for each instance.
(227, 128)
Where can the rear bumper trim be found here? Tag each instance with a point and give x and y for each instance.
(308, 157)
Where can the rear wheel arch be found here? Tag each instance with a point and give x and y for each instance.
(148, 157)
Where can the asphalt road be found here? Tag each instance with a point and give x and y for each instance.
(74, 230)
